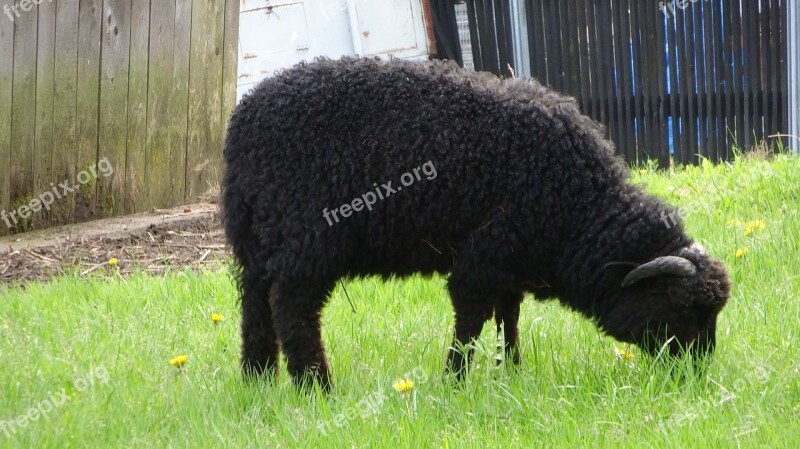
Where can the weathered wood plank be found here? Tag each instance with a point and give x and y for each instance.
(135, 200)
(206, 126)
(112, 128)
(180, 101)
(43, 139)
(88, 104)
(6, 95)
(65, 98)
(211, 174)
(159, 97)
(198, 101)
(230, 58)
(23, 118)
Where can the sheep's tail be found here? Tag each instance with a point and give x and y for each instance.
(236, 213)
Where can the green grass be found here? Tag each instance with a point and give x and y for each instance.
(106, 344)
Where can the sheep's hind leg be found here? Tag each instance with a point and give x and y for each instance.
(506, 315)
(259, 342)
(296, 310)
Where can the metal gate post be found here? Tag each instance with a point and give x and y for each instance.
(793, 65)
(519, 33)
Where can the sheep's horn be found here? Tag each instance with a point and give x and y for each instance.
(674, 265)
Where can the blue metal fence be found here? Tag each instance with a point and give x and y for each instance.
(671, 80)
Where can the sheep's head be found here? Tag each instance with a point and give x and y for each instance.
(671, 300)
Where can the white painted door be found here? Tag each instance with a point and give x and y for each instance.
(275, 34)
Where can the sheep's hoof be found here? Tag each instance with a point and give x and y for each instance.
(457, 365)
(308, 385)
(253, 371)
(309, 377)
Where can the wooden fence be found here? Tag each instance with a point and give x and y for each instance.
(138, 87)
(669, 83)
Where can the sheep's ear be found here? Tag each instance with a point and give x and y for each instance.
(618, 270)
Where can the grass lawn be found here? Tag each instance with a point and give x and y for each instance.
(86, 363)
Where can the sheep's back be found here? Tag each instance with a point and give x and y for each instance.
(321, 134)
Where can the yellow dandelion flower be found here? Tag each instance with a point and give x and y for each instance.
(623, 354)
(216, 317)
(403, 385)
(642, 171)
(753, 226)
(741, 252)
(179, 361)
(113, 261)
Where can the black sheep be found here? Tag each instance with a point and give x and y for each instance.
(365, 167)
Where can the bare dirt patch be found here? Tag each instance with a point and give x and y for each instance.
(153, 242)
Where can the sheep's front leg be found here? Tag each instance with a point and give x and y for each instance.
(471, 292)
(506, 315)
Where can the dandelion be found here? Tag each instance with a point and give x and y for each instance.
(741, 252)
(113, 262)
(625, 355)
(179, 361)
(403, 385)
(642, 171)
(752, 226)
(216, 318)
